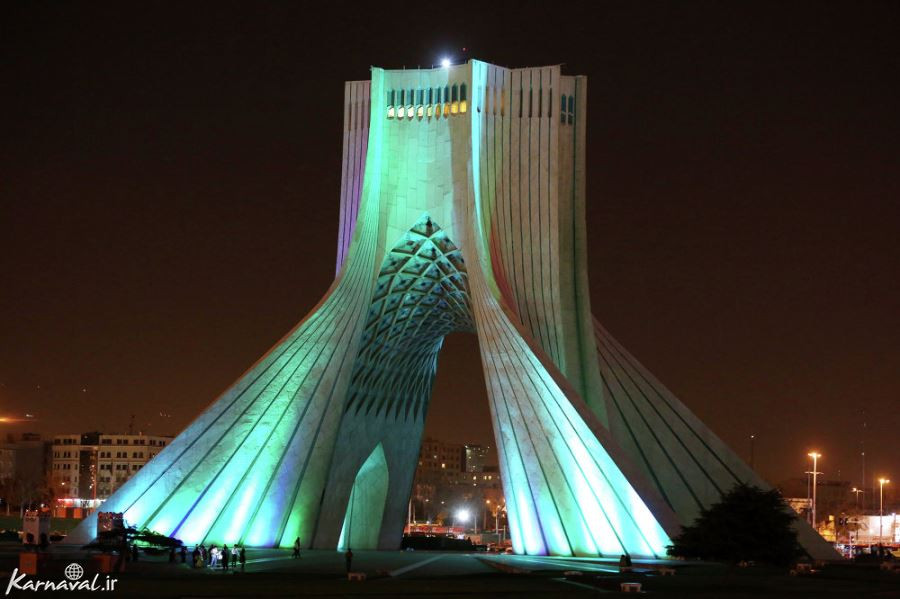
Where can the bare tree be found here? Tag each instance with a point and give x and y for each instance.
(25, 492)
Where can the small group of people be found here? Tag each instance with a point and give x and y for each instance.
(212, 557)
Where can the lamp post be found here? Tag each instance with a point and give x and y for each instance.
(815, 455)
(856, 492)
(752, 438)
(808, 496)
(497, 520)
(881, 482)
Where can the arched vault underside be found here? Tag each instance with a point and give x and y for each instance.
(421, 294)
(461, 209)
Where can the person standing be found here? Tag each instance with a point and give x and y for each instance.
(123, 555)
(183, 554)
(296, 548)
(243, 559)
(348, 559)
(226, 555)
(195, 557)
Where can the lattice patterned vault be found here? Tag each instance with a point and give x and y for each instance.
(421, 295)
(319, 439)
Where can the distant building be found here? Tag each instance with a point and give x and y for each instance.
(87, 468)
(832, 497)
(23, 470)
(488, 476)
(439, 458)
(72, 465)
(452, 475)
(22, 457)
(875, 529)
(476, 456)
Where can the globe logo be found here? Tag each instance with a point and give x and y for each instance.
(74, 571)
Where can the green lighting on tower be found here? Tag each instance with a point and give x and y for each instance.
(461, 210)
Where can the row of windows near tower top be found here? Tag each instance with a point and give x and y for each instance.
(451, 100)
(427, 102)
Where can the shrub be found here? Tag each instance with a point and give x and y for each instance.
(748, 524)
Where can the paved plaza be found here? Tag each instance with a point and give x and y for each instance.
(274, 573)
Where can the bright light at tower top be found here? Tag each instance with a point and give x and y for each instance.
(814, 454)
(445, 62)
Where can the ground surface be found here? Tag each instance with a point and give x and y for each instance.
(273, 573)
(13, 521)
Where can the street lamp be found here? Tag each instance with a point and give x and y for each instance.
(462, 516)
(496, 510)
(881, 482)
(815, 455)
(752, 439)
(856, 491)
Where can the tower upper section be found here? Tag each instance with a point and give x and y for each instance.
(426, 118)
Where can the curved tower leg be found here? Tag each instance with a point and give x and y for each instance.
(251, 468)
(567, 488)
(688, 463)
(252, 460)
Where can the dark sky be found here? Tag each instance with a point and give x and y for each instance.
(169, 181)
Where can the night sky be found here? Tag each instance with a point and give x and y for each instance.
(170, 176)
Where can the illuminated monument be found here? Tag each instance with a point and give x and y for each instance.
(462, 209)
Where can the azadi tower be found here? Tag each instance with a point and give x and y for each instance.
(461, 209)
